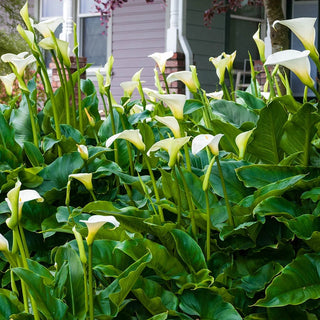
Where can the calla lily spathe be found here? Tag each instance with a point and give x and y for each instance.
(294, 60)
(304, 29)
(84, 178)
(133, 136)
(242, 141)
(230, 58)
(94, 223)
(171, 123)
(175, 102)
(47, 26)
(108, 68)
(185, 77)
(128, 87)
(28, 37)
(8, 82)
(172, 146)
(161, 58)
(215, 95)
(18, 60)
(220, 64)
(24, 13)
(260, 45)
(203, 140)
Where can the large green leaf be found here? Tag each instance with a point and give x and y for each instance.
(51, 307)
(33, 153)
(9, 304)
(299, 131)
(189, 251)
(267, 135)
(75, 293)
(235, 188)
(117, 291)
(233, 113)
(250, 100)
(298, 282)
(154, 297)
(207, 305)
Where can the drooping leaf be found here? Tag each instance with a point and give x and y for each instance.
(9, 304)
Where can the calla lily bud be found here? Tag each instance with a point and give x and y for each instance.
(91, 120)
(161, 58)
(94, 223)
(242, 141)
(28, 37)
(157, 81)
(83, 150)
(4, 244)
(137, 75)
(8, 81)
(184, 76)
(195, 77)
(84, 178)
(133, 136)
(24, 13)
(100, 80)
(108, 67)
(172, 146)
(171, 123)
(82, 251)
(203, 140)
(260, 45)
(296, 61)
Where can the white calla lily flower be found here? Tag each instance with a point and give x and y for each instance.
(203, 140)
(84, 178)
(175, 102)
(137, 75)
(128, 87)
(108, 68)
(4, 244)
(8, 81)
(221, 62)
(133, 136)
(296, 61)
(161, 58)
(18, 61)
(24, 13)
(184, 76)
(171, 123)
(230, 58)
(242, 141)
(304, 29)
(47, 26)
(94, 223)
(172, 146)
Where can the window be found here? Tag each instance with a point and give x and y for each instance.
(92, 35)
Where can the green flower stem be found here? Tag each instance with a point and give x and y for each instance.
(73, 99)
(231, 84)
(155, 188)
(13, 283)
(186, 149)
(113, 126)
(179, 216)
(128, 147)
(16, 234)
(206, 109)
(32, 120)
(85, 279)
(208, 236)
(143, 98)
(225, 91)
(93, 195)
(79, 96)
(165, 82)
(190, 204)
(305, 94)
(24, 242)
(90, 288)
(66, 94)
(272, 93)
(226, 199)
(104, 104)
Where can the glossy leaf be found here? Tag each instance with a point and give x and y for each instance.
(250, 100)
(298, 282)
(33, 154)
(9, 304)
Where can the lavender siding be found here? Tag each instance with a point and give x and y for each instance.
(138, 29)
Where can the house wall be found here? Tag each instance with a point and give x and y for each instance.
(205, 42)
(138, 30)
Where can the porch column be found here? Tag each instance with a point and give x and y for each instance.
(67, 28)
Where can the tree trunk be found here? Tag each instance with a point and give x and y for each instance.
(279, 37)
